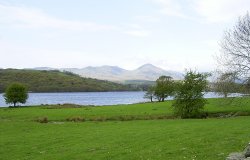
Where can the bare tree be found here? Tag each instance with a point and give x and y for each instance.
(225, 84)
(235, 48)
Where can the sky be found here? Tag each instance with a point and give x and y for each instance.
(171, 34)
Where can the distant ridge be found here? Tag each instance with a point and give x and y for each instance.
(146, 72)
(55, 81)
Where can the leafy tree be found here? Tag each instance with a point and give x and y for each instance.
(164, 87)
(150, 93)
(189, 101)
(16, 93)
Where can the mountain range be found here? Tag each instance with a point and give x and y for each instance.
(146, 72)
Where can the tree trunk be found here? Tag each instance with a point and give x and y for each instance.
(14, 104)
(225, 95)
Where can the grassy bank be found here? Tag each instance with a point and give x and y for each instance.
(62, 112)
(213, 138)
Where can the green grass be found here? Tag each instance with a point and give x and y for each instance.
(59, 113)
(214, 138)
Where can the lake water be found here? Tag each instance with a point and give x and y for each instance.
(89, 98)
(83, 98)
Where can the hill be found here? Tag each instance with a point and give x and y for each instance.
(56, 81)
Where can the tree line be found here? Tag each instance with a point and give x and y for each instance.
(188, 93)
(232, 76)
(56, 81)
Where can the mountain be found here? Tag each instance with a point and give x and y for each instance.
(150, 72)
(56, 81)
(42, 69)
(111, 73)
(146, 72)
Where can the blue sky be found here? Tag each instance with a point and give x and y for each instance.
(172, 34)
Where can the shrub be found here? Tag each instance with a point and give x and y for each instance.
(76, 119)
(42, 120)
(189, 101)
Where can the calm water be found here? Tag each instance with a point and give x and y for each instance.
(83, 98)
(88, 98)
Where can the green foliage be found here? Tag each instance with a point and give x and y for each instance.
(56, 81)
(76, 119)
(143, 85)
(16, 93)
(165, 87)
(189, 100)
(42, 120)
(150, 93)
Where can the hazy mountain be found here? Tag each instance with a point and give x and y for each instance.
(112, 73)
(42, 68)
(150, 72)
(146, 72)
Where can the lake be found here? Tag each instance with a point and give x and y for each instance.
(82, 98)
(89, 98)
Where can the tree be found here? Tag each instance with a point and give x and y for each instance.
(235, 48)
(16, 93)
(150, 93)
(164, 88)
(225, 84)
(189, 101)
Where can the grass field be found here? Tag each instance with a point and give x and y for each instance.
(213, 138)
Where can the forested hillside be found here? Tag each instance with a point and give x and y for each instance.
(56, 81)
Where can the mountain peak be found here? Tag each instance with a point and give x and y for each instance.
(148, 66)
(115, 73)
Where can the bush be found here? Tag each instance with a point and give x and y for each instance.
(189, 101)
(42, 120)
(76, 119)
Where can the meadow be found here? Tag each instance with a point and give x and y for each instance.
(109, 132)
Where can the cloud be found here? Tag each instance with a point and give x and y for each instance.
(34, 18)
(21, 56)
(135, 30)
(151, 19)
(211, 11)
(220, 10)
(138, 33)
(171, 8)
